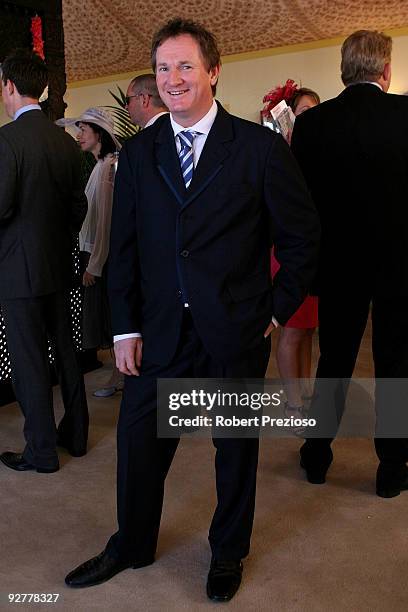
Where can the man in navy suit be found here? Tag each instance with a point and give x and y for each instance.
(190, 289)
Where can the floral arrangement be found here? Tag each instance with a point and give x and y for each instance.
(276, 95)
(36, 33)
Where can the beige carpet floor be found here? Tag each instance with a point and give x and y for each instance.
(335, 547)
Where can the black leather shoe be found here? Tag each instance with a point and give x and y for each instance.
(99, 569)
(316, 468)
(389, 485)
(224, 579)
(16, 461)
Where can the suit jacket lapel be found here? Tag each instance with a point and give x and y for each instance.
(168, 161)
(214, 153)
(211, 160)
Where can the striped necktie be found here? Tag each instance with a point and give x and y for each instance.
(186, 139)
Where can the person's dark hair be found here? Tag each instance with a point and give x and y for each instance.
(303, 91)
(107, 144)
(205, 39)
(27, 71)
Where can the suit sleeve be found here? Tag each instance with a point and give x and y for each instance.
(123, 260)
(295, 230)
(8, 180)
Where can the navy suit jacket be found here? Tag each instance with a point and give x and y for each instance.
(210, 244)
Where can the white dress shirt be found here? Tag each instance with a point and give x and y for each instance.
(154, 118)
(26, 108)
(202, 128)
(366, 83)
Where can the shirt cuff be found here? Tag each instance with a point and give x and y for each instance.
(275, 322)
(125, 336)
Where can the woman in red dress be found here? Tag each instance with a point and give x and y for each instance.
(294, 350)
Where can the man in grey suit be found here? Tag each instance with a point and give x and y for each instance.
(42, 205)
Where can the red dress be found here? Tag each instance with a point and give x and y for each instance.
(306, 316)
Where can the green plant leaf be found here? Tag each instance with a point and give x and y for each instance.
(120, 101)
(124, 128)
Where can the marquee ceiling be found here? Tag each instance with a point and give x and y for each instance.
(104, 37)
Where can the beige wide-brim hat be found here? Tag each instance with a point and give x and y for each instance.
(97, 115)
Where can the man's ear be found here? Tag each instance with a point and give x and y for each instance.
(10, 87)
(386, 76)
(214, 74)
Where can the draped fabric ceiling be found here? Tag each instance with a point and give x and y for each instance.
(104, 37)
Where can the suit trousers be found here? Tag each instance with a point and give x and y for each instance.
(30, 322)
(342, 321)
(144, 459)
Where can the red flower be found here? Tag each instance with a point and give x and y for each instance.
(279, 93)
(36, 32)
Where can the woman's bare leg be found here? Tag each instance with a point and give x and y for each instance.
(305, 363)
(288, 356)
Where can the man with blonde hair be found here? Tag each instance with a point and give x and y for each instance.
(354, 155)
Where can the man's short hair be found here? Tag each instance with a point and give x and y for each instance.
(364, 55)
(146, 83)
(27, 71)
(205, 39)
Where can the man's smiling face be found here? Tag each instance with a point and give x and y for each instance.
(183, 80)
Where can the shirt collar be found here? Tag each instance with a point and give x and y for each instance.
(26, 108)
(203, 126)
(366, 83)
(153, 119)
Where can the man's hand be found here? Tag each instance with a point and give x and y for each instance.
(128, 353)
(88, 279)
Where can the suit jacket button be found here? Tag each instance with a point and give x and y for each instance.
(185, 253)
(179, 293)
